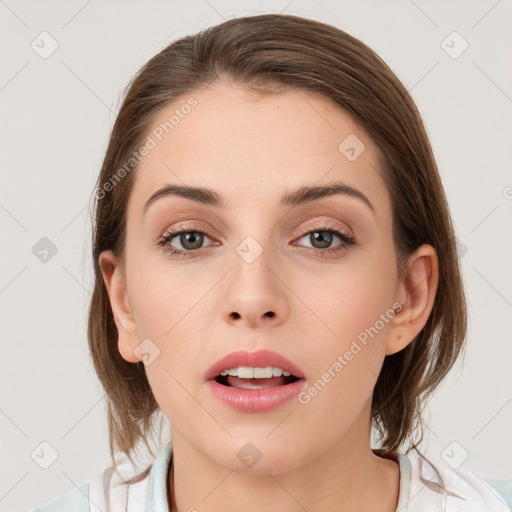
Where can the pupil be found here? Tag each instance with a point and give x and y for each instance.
(324, 237)
(193, 238)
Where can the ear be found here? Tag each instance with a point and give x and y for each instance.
(115, 282)
(416, 295)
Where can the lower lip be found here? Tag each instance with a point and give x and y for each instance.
(255, 400)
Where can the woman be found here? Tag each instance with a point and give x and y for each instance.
(276, 273)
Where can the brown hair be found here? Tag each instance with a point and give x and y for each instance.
(260, 53)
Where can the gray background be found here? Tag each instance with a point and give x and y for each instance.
(56, 114)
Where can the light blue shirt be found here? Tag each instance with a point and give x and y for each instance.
(419, 490)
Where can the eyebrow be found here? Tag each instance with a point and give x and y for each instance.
(300, 196)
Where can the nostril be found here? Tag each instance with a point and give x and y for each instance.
(270, 314)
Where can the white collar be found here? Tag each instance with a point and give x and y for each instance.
(420, 488)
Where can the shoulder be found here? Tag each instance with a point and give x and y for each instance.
(116, 488)
(502, 487)
(85, 497)
(76, 500)
(456, 489)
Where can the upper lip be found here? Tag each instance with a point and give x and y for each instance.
(257, 359)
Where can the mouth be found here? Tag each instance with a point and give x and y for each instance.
(265, 367)
(254, 381)
(246, 377)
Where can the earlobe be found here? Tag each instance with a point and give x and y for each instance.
(115, 284)
(417, 295)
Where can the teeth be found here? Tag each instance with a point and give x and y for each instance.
(263, 373)
(248, 372)
(245, 372)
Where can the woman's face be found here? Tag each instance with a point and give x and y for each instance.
(261, 268)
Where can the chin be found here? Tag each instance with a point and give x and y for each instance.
(258, 457)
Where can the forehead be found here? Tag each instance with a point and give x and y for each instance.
(254, 147)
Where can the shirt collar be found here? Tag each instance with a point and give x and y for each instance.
(157, 501)
(156, 496)
(404, 466)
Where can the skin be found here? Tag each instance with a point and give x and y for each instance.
(251, 149)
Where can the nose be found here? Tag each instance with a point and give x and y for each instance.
(236, 315)
(256, 295)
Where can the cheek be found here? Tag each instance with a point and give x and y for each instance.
(341, 303)
(172, 309)
(344, 369)
(162, 293)
(352, 311)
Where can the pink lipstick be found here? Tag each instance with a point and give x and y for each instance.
(254, 381)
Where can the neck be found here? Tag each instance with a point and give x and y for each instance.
(347, 476)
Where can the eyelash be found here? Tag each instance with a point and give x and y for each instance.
(166, 239)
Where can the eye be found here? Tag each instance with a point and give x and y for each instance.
(188, 237)
(321, 239)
